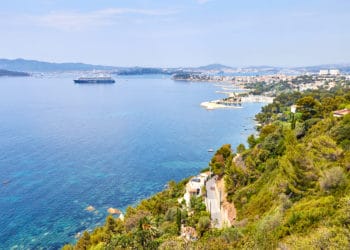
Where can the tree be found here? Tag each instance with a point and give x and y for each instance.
(68, 247)
(235, 178)
(84, 242)
(309, 107)
(146, 233)
(110, 224)
(329, 104)
(252, 141)
(274, 144)
(240, 148)
(178, 220)
(196, 204)
(221, 158)
(341, 132)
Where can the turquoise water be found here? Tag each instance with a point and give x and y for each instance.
(65, 146)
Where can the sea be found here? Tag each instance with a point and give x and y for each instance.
(66, 146)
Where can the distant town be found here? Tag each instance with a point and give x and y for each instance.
(272, 84)
(264, 81)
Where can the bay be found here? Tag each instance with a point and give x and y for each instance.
(65, 146)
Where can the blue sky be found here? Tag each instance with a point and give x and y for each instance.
(177, 32)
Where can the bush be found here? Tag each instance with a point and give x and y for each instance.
(169, 228)
(171, 214)
(345, 144)
(332, 179)
(252, 141)
(203, 224)
(240, 148)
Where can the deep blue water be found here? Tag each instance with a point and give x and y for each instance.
(65, 146)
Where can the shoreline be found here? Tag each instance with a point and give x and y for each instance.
(216, 104)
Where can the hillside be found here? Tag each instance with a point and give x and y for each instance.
(39, 66)
(215, 67)
(12, 73)
(290, 188)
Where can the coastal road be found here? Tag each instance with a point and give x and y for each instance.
(213, 203)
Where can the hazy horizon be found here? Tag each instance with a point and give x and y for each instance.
(182, 33)
(179, 66)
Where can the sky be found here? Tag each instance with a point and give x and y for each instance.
(172, 33)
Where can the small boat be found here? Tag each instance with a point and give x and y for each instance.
(210, 150)
(5, 182)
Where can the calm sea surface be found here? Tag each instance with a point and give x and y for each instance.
(65, 146)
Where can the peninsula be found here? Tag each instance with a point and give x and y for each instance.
(12, 73)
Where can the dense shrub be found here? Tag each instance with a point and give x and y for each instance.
(332, 179)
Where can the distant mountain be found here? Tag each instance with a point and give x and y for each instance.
(344, 68)
(215, 66)
(147, 71)
(12, 73)
(39, 66)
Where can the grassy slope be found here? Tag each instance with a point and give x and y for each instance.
(297, 194)
(288, 206)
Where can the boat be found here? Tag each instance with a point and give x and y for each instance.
(95, 79)
(210, 150)
(5, 182)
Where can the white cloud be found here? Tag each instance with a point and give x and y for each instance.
(74, 21)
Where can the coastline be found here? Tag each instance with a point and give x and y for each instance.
(114, 144)
(233, 200)
(236, 92)
(217, 104)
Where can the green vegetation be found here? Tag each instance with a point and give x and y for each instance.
(260, 88)
(279, 86)
(290, 188)
(220, 160)
(153, 223)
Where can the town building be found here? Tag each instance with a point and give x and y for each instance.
(334, 72)
(324, 72)
(194, 186)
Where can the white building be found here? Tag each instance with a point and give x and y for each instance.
(194, 186)
(334, 72)
(324, 72)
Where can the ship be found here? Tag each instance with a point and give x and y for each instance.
(95, 79)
